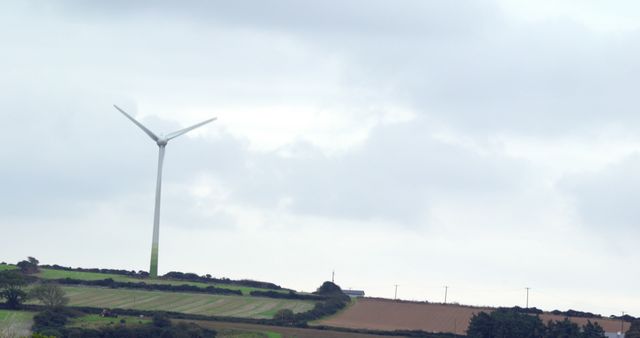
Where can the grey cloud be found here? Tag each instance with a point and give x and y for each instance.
(58, 154)
(493, 76)
(93, 153)
(395, 175)
(375, 17)
(606, 200)
(468, 67)
(537, 79)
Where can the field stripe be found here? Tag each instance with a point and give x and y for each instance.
(202, 308)
(193, 303)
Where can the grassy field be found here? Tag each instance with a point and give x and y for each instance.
(231, 333)
(58, 274)
(195, 303)
(4, 267)
(95, 321)
(15, 323)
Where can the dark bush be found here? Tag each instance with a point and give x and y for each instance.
(49, 332)
(192, 277)
(592, 330)
(505, 323)
(49, 319)
(12, 284)
(144, 331)
(531, 310)
(28, 266)
(161, 320)
(329, 289)
(574, 313)
(284, 317)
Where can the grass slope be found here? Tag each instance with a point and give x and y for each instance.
(4, 267)
(193, 303)
(15, 323)
(58, 274)
(96, 321)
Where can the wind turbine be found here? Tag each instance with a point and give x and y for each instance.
(161, 141)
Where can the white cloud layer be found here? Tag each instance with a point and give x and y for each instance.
(478, 145)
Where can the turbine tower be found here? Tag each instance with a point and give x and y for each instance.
(161, 141)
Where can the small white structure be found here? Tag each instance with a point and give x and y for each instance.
(354, 293)
(614, 335)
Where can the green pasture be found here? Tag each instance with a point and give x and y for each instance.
(15, 323)
(248, 334)
(192, 303)
(4, 267)
(95, 321)
(58, 274)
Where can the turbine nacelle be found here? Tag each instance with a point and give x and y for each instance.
(162, 141)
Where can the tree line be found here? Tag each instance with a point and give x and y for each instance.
(509, 322)
(192, 277)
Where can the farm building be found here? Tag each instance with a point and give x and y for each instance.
(353, 293)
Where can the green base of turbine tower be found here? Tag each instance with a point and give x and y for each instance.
(153, 268)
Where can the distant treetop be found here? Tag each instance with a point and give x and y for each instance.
(329, 289)
(29, 266)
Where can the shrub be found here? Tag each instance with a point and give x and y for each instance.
(11, 288)
(49, 319)
(505, 323)
(161, 320)
(284, 316)
(329, 289)
(29, 266)
(51, 295)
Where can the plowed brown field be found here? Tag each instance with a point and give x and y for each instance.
(388, 315)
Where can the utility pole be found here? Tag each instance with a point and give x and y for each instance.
(446, 288)
(395, 295)
(527, 306)
(333, 275)
(622, 323)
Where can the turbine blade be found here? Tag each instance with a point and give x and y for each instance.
(186, 130)
(147, 131)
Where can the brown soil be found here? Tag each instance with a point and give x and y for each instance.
(389, 315)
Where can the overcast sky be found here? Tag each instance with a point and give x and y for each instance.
(484, 145)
